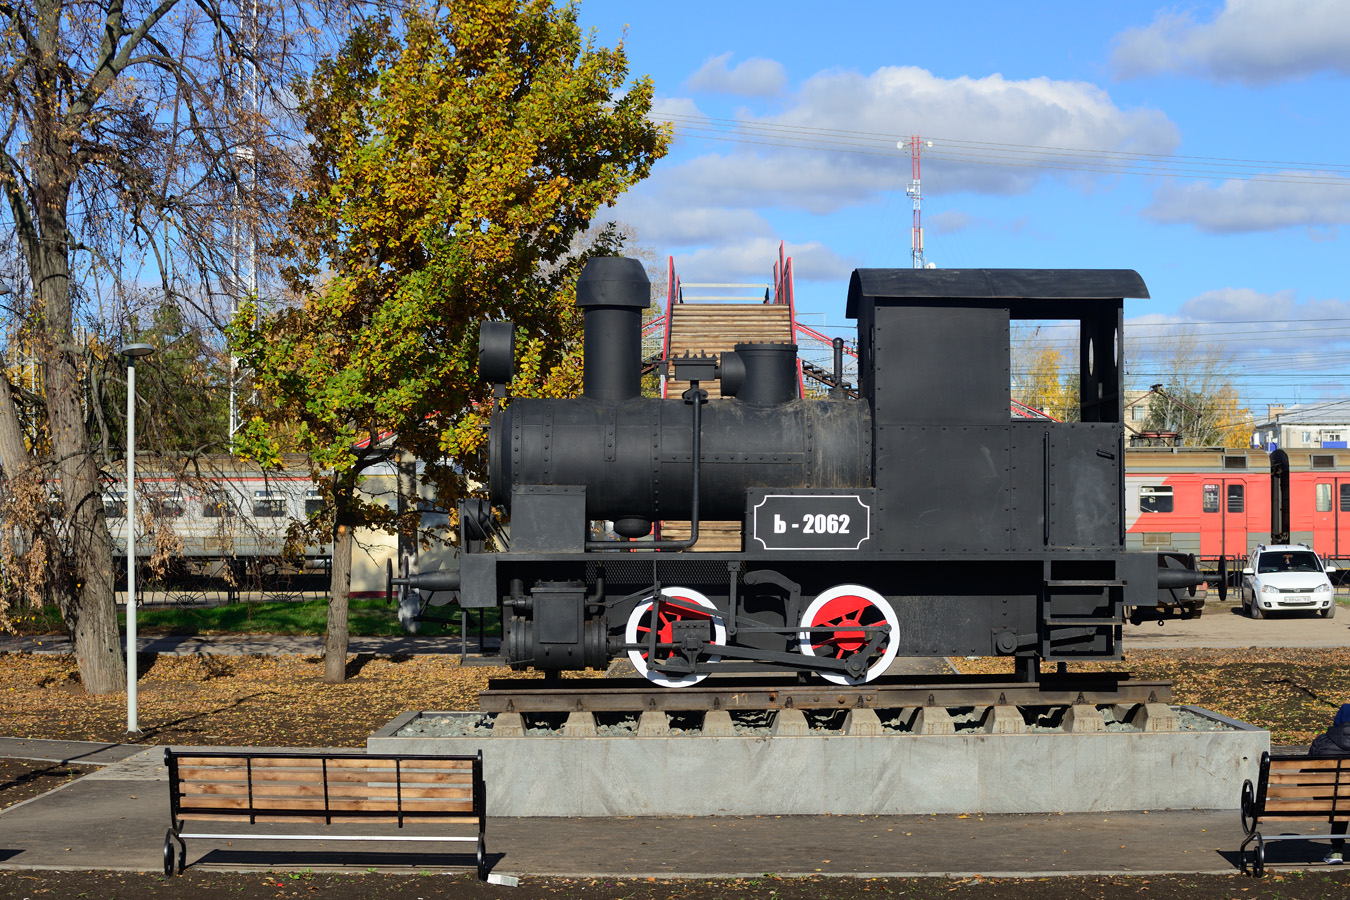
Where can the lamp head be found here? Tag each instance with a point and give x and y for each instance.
(135, 351)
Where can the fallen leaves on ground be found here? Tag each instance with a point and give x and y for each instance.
(259, 701)
(282, 700)
(1293, 692)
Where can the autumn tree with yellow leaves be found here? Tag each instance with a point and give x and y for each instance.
(456, 153)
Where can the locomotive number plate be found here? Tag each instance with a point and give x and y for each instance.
(810, 522)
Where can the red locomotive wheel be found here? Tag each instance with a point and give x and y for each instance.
(845, 607)
(674, 605)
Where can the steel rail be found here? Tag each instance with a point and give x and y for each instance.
(636, 695)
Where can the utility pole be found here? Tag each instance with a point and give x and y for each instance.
(245, 237)
(916, 234)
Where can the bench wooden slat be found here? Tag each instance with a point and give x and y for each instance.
(1304, 763)
(318, 762)
(1323, 791)
(336, 819)
(240, 802)
(348, 820)
(316, 776)
(194, 792)
(1310, 805)
(1327, 778)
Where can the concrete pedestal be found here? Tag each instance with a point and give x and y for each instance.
(790, 773)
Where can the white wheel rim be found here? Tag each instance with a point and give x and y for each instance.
(631, 636)
(875, 600)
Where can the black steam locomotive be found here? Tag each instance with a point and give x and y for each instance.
(918, 519)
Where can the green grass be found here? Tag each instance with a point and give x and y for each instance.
(367, 618)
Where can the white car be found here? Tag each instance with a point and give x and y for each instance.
(1287, 576)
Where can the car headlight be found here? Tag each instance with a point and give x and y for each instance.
(1269, 589)
(1321, 589)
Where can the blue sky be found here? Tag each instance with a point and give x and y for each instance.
(1202, 145)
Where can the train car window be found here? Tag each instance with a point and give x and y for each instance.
(1345, 498)
(115, 505)
(1236, 497)
(313, 502)
(165, 506)
(1322, 501)
(1155, 498)
(217, 505)
(1210, 501)
(268, 505)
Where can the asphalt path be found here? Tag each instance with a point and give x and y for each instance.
(1223, 626)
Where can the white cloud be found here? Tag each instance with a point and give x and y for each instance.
(752, 260)
(1251, 41)
(1239, 205)
(660, 223)
(1271, 312)
(1272, 341)
(756, 77)
(951, 221)
(962, 116)
(664, 107)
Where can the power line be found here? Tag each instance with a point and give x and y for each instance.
(1116, 162)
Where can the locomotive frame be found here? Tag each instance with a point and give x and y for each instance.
(946, 527)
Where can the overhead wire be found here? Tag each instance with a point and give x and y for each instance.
(1100, 161)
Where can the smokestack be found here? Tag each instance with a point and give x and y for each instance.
(612, 292)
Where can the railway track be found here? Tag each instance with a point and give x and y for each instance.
(746, 694)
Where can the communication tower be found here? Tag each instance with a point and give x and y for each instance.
(916, 236)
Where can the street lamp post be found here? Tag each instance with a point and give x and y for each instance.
(132, 352)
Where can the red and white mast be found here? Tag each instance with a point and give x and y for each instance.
(916, 235)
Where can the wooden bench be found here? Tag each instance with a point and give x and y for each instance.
(323, 789)
(1289, 789)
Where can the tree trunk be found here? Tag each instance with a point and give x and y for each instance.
(83, 580)
(13, 451)
(336, 638)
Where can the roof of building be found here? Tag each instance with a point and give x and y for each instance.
(1326, 412)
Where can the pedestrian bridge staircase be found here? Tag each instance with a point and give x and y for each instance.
(712, 318)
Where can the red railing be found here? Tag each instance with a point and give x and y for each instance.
(783, 294)
(672, 294)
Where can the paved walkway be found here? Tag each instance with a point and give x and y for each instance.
(115, 819)
(1224, 626)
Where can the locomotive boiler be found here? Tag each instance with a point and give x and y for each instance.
(917, 519)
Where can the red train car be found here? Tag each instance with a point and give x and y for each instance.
(1216, 503)
(1319, 502)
